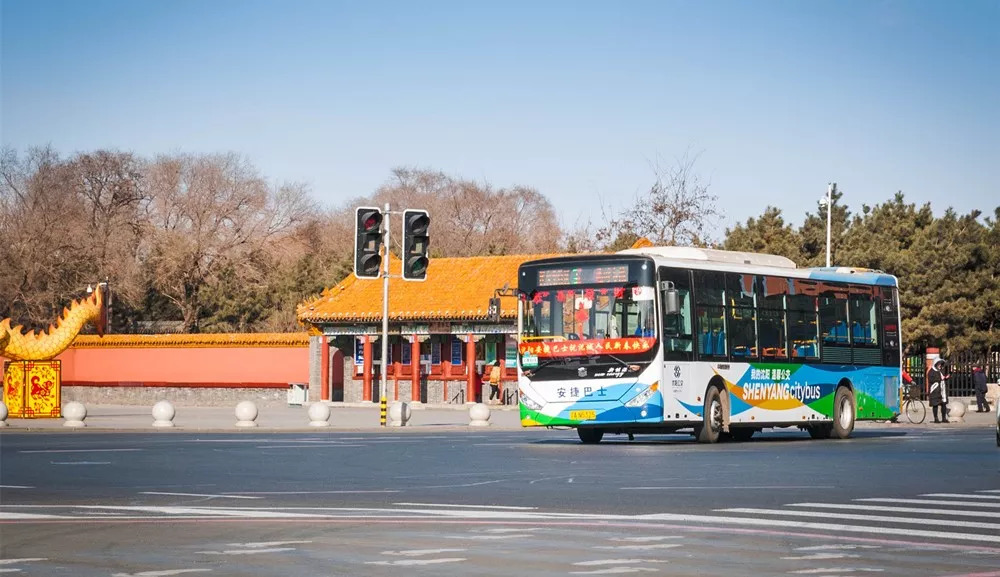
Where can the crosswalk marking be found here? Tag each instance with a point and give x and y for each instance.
(932, 502)
(874, 518)
(889, 509)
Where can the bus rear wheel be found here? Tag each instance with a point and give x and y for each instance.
(843, 413)
(710, 429)
(590, 436)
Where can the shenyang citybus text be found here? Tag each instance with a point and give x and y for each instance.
(722, 344)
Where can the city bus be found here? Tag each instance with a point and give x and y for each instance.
(719, 344)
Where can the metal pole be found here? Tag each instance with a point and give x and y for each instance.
(385, 319)
(829, 211)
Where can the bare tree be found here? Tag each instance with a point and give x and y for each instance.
(213, 218)
(678, 209)
(471, 218)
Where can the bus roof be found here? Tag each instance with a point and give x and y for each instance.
(713, 255)
(739, 262)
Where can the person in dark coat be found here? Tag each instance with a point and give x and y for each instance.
(938, 395)
(979, 384)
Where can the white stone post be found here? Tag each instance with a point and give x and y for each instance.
(3, 414)
(74, 412)
(399, 414)
(163, 414)
(319, 415)
(479, 415)
(246, 413)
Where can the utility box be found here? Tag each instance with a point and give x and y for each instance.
(298, 393)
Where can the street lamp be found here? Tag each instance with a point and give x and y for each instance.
(827, 201)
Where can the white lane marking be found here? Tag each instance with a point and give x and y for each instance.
(334, 492)
(80, 451)
(307, 446)
(930, 502)
(198, 495)
(461, 485)
(16, 487)
(262, 544)
(613, 571)
(12, 515)
(823, 557)
(836, 570)
(647, 539)
(598, 562)
(960, 495)
(510, 508)
(80, 462)
(845, 547)
(951, 513)
(716, 488)
(248, 551)
(509, 529)
(164, 573)
(22, 560)
(854, 517)
(200, 511)
(640, 547)
(490, 537)
(819, 526)
(420, 552)
(407, 562)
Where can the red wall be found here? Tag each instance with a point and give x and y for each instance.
(257, 366)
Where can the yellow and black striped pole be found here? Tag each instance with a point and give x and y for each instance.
(381, 412)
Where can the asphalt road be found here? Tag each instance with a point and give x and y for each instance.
(890, 501)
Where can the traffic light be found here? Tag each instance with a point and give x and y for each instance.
(493, 312)
(416, 224)
(368, 242)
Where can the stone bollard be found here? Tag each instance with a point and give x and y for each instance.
(74, 412)
(319, 415)
(246, 413)
(3, 414)
(399, 414)
(956, 410)
(163, 414)
(479, 415)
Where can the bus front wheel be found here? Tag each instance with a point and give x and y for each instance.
(843, 413)
(711, 426)
(590, 436)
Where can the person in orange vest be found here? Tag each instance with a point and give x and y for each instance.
(495, 382)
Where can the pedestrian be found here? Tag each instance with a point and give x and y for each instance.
(938, 394)
(495, 382)
(979, 384)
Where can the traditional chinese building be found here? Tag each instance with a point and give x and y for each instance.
(440, 334)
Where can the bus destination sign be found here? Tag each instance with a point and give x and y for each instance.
(583, 275)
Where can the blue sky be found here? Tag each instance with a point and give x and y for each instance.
(577, 99)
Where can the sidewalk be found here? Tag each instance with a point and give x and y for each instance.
(273, 418)
(356, 416)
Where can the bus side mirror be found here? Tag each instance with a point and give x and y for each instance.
(671, 298)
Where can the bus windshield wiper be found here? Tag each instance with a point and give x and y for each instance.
(622, 363)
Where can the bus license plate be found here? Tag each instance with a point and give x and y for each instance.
(582, 415)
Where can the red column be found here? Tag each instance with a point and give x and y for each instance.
(366, 374)
(470, 362)
(415, 368)
(324, 370)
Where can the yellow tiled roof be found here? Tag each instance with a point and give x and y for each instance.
(455, 289)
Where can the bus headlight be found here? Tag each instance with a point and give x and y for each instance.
(528, 401)
(643, 397)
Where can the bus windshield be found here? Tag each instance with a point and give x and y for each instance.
(588, 313)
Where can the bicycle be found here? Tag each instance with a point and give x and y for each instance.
(914, 408)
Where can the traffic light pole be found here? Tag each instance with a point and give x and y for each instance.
(385, 320)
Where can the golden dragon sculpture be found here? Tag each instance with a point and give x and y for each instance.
(17, 346)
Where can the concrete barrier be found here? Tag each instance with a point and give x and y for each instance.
(319, 415)
(479, 415)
